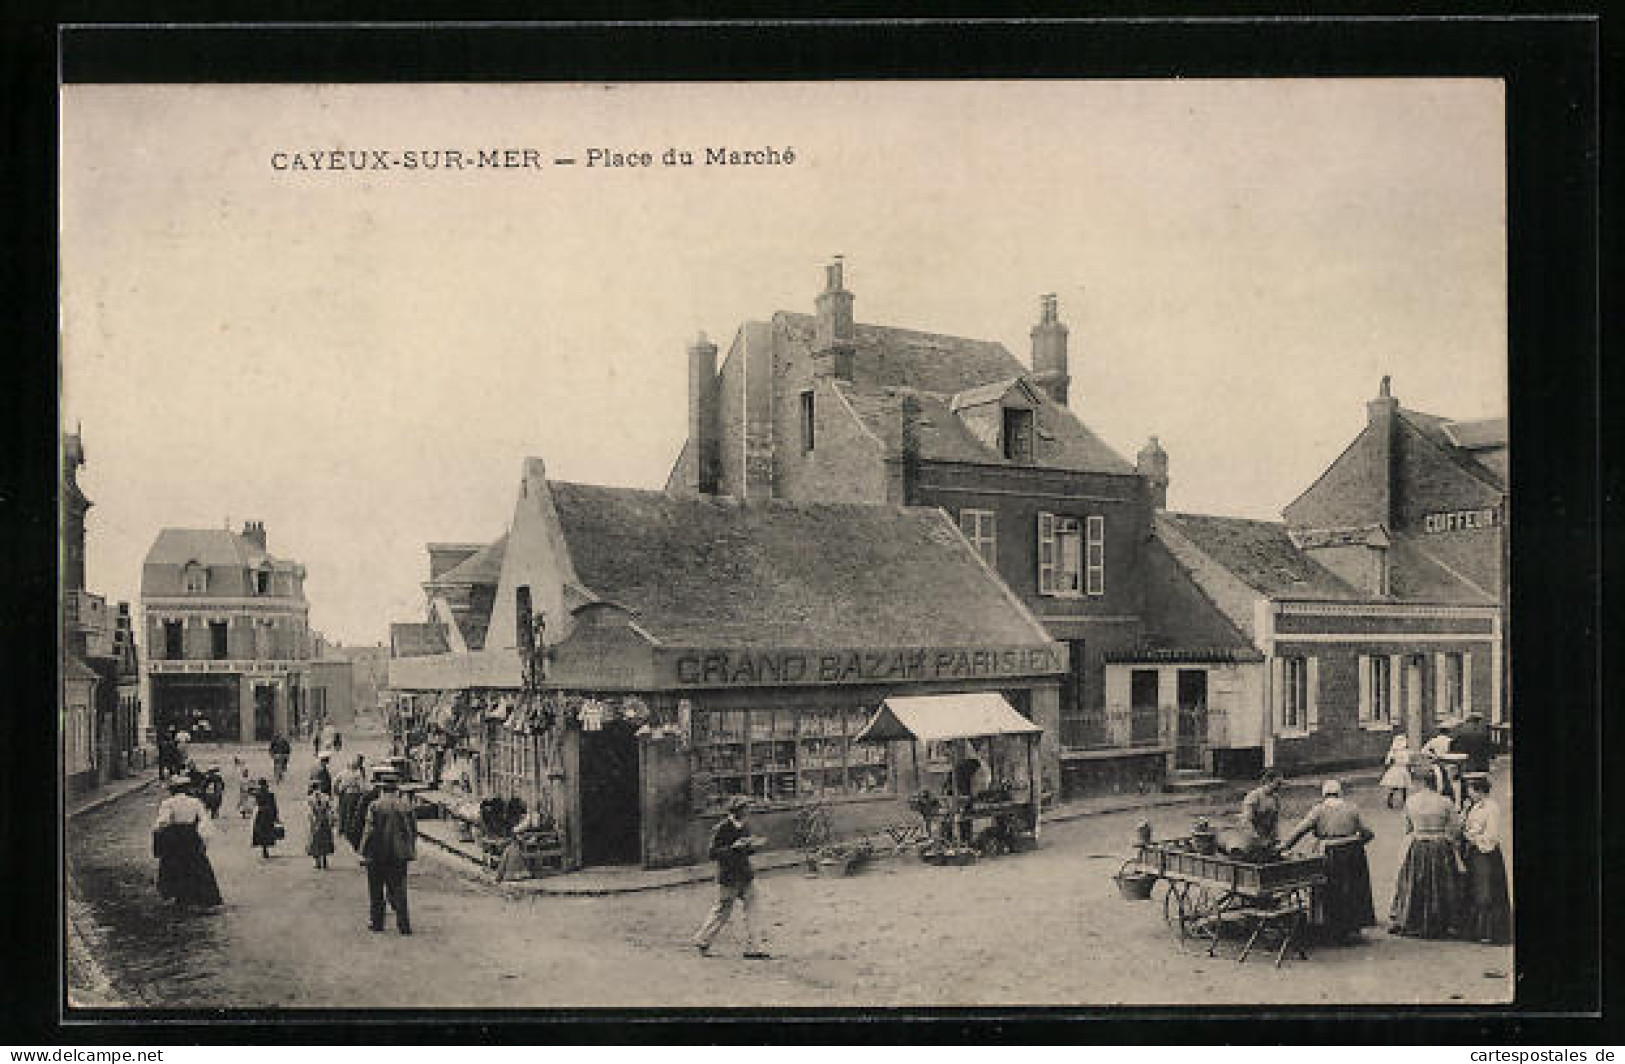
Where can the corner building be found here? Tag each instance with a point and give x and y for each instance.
(699, 648)
(820, 407)
(228, 634)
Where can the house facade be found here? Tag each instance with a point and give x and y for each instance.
(820, 407)
(1304, 670)
(100, 700)
(1415, 507)
(228, 637)
(694, 649)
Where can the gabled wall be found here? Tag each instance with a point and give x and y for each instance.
(1353, 489)
(537, 556)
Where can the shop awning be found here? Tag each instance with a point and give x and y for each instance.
(933, 718)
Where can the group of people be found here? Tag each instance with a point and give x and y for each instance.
(377, 821)
(1452, 881)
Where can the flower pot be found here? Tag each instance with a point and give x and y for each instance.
(1135, 886)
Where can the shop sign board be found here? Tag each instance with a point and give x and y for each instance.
(1461, 520)
(216, 666)
(770, 668)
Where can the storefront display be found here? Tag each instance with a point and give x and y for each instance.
(782, 755)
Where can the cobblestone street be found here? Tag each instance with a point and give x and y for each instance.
(1040, 928)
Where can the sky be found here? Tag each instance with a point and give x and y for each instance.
(363, 359)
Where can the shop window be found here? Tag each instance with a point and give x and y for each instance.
(195, 578)
(1060, 555)
(218, 647)
(807, 422)
(779, 756)
(981, 528)
(174, 640)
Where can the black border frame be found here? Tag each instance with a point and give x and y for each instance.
(1552, 67)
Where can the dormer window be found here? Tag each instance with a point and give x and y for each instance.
(1017, 436)
(195, 578)
(262, 580)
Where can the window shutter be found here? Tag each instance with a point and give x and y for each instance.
(1441, 708)
(1466, 682)
(1277, 692)
(1365, 687)
(1396, 709)
(1046, 554)
(1312, 701)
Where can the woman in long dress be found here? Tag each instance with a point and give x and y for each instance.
(347, 788)
(180, 842)
(266, 818)
(1489, 912)
(245, 788)
(1397, 779)
(1342, 906)
(1428, 894)
(319, 826)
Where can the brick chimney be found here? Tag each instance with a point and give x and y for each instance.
(835, 335)
(1049, 351)
(254, 532)
(1381, 413)
(702, 416)
(1152, 464)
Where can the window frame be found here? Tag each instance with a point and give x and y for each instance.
(195, 578)
(1060, 539)
(1294, 694)
(1017, 430)
(983, 535)
(809, 421)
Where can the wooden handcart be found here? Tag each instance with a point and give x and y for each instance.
(1208, 895)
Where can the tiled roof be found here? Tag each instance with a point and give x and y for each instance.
(482, 567)
(416, 640)
(1416, 575)
(1477, 435)
(929, 362)
(720, 572)
(1435, 430)
(206, 546)
(1260, 554)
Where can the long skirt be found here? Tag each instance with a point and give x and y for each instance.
(1342, 906)
(184, 871)
(264, 826)
(321, 839)
(1489, 912)
(1428, 895)
(346, 802)
(1397, 778)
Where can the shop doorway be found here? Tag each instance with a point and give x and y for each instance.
(264, 712)
(611, 820)
(1191, 740)
(204, 708)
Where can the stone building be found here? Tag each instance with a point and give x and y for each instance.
(100, 699)
(228, 639)
(822, 407)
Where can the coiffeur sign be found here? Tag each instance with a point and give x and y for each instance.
(744, 668)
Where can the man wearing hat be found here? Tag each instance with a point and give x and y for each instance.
(389, 839)
(731, 846)
(1473, 739)
(321, 777)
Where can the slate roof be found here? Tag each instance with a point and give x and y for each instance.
(1415, 575)
(1481, 434)
(1437, 431)
(206, 546)
(889, 363)
(719, 572)
(1261, 555)
(417, 640)
(484, 566)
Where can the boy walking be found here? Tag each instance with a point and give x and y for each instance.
(731, 846)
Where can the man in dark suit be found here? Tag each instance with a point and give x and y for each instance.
(731, 845)
(389, 839)
(1473, 739)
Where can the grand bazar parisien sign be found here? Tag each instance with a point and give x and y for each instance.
(731, 668)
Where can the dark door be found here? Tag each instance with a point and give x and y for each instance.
(264, 713)
(1192, 737)
(1143, 707)
(611, 822)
